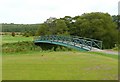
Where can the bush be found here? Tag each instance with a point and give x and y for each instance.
(13, 34)
(58, 48)
(26, 46)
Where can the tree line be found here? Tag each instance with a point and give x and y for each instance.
(22, 28)
(96, 25)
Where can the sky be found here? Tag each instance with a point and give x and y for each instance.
(37, 11)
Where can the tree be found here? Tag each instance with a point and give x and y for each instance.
(50, 20)
(26, 34)
(97, 26)
(43, 30)
(13, 34)
(69, 22)
(51, 25)
(61, 27)
(116, 19)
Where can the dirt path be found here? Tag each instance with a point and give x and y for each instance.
(105, 51)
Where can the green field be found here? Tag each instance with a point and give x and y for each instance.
(17, 38)
(0, 67)
(59, 65)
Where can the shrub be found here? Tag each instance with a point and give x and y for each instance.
(30, 46)
(13, 34)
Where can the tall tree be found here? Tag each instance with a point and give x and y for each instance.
(98, 26)
(61, 27)
(51, 25)
(43, 30)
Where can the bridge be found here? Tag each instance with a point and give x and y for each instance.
(79, 43)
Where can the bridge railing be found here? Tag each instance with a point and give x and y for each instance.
(72, 40)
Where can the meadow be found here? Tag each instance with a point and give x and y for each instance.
(57, 65)
(17, 38)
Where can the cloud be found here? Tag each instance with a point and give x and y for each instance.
(37, 11)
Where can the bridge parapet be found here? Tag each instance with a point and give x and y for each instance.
(74, 41)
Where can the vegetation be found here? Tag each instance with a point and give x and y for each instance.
(22, 29)
(13, 34)
(100, 26)
(22, 60)
(19, 27)
(59, 66)
(26, 46)
(17, 38)
(96, 25)
(116, 19)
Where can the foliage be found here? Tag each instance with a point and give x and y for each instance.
(116, 19)
(43, 29)
(28, 33)
(53, 27)
(96, 25)
(13, 34)
(21, 28)
(117, 46)
(26, 46)
(61, 27)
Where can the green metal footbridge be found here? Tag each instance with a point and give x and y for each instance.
(80, 43)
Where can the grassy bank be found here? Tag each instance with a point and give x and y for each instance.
(26, 46)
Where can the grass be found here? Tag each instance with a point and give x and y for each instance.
(17, 38)
(59, 66)
(51, 65)
(103, 54)
(0, 67)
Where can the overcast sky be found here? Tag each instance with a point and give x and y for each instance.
(37, 11)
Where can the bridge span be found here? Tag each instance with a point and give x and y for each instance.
(80, 43)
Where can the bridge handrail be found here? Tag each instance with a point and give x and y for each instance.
(72, 40)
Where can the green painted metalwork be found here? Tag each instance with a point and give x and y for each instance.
(76, 42)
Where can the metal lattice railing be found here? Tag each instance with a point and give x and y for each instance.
(80, 42)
